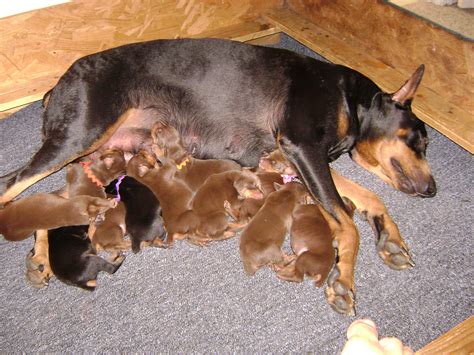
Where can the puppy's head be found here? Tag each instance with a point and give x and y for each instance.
(393, 141)
(112, 161)
(140, 164)
(275, 162)
(247, 185)
(167, 142)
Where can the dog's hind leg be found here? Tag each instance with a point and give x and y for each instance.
(71, 139)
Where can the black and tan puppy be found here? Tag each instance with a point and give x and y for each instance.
(219, 193)
(194, 172)
(173, 193)
(73, 259)
(262, 239)
(85, 179)
(143, 218)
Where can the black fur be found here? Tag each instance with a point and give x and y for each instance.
(72, 258)
(143, 218)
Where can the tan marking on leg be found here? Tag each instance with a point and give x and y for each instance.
(342, 121)
(19, 187)
(347, 237)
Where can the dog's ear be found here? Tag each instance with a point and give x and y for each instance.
(405, 94)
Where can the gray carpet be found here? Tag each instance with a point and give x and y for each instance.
(192, 299)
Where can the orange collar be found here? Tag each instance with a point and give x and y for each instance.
(182, 164)
(86, 165)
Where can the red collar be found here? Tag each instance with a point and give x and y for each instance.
(86, 165)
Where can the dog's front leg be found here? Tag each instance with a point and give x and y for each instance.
(390, 244)
(313, 168)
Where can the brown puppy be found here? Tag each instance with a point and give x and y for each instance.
(90, 178)
(109, 234)
(173, 193)
(262, 239)
(19, 219)
(229, 188)
(271, 169)
(167, 143)
(311, 239)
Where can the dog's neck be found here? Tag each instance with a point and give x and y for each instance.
(359, 120)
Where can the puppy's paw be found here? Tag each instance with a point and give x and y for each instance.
(339, 296)
(38, 271)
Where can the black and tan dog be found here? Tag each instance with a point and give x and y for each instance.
(230, 100)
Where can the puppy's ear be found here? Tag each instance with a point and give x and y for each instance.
(142, 170)
(277, 186)
(108, 161)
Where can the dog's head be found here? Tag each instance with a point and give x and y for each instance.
(393, 141)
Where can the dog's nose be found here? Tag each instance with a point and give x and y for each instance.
(431, 189)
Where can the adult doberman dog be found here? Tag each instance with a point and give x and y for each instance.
(230, 100)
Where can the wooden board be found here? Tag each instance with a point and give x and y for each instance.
(459, 340)
(455, 121)
(400, 40)
(55, 37)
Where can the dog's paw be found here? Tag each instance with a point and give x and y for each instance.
(390, 245)
(339, 296)
(38, 272)
(394, 254)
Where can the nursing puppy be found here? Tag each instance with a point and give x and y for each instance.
(89, 177)
(143, 219)
(262, 239)
(220, 193)
(167, 143)
(173, 193)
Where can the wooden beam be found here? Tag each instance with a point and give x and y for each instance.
(458, 340)
(436, 110)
